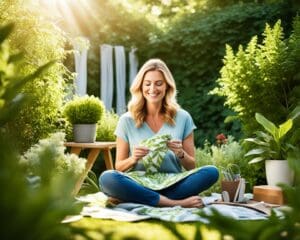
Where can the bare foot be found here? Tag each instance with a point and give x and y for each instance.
(193, 201)
(113, 201)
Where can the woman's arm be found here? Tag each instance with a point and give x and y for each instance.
(185, 151)
(123, 160)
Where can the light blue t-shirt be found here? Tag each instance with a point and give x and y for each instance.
(183, 127)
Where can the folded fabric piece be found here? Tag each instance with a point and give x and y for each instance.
(158, 148)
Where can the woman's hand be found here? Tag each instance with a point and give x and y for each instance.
(139, 152)
(176, 147)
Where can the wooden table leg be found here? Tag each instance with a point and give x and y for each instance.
(76, 150)
(92, 156)
(108, 159)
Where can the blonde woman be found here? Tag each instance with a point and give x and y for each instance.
(153, 110)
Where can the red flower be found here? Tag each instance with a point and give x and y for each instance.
(221, 137)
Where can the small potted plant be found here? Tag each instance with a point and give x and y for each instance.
(84, 113)
(273, 146)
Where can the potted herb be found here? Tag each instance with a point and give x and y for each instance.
(84, 113)
(272, 146)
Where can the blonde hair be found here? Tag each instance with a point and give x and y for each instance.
(136, 105)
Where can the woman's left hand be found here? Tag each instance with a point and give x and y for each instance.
(175, 146)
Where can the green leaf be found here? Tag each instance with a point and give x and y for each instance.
(256, 141)
(284, 128)
(256, 160)
(268, 125)
(255, 151)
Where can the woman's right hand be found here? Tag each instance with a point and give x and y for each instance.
(139, 152)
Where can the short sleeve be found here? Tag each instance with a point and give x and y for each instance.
(122, 128)
(189, 125)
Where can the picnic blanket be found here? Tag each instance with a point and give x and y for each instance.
(96, 208)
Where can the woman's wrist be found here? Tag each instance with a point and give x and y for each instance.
(133, 160)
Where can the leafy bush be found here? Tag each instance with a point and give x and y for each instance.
(107, 126)
(53, 148)
(84, 110)
(32, 211)
(40, 41)
(263, 76)
(224, 155)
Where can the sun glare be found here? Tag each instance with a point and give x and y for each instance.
(69, 13)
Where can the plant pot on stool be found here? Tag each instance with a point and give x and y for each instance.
(84, 113)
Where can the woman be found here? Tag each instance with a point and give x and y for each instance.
(153, 110)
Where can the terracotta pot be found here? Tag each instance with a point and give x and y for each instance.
(230, 187)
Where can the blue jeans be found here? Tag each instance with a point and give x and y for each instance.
(119, 186)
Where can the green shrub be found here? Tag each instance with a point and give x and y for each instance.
(30, 210)
(84, 110)
(225, 154)
(263, 76)
(53, 148)
(107, 126)
(40, 41)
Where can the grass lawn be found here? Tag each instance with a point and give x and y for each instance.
(147, 230)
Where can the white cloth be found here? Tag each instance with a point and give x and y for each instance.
(80, 55)
(106, 76)
(133, 65)
(120, 79)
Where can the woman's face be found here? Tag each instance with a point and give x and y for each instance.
(154, 86)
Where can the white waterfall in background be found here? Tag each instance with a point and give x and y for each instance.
(106, 82)
(81, 46)
(133, 63)
(120, 62)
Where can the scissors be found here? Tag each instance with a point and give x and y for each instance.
(232, 172)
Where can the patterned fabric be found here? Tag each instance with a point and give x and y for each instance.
(158, 181)
(158, 148)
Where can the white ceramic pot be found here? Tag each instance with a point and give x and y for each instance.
(278, 171)
(84, 133)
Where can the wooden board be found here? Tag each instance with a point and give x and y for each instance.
(268, 194)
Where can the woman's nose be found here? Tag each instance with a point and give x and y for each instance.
(152, 87)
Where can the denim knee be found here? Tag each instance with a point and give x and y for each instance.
(213, 173)
(106, 179)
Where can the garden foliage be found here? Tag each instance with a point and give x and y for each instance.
(40, 41)
(263, 76)
(225, 154)
(29, 210)
(84, 110)
(106, 127)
